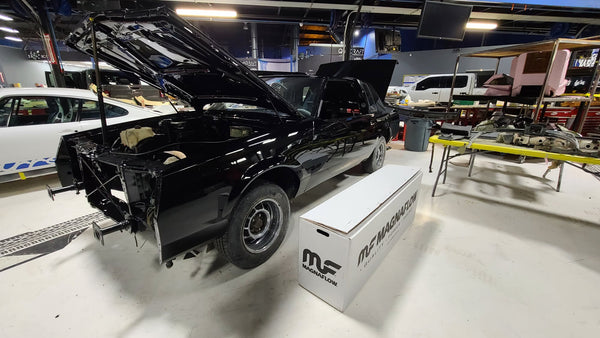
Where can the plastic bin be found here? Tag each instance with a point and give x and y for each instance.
(417, 135)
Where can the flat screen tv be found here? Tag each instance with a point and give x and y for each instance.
(442, 20)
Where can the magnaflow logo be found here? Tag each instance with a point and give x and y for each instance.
(387, 228)
(310, 259)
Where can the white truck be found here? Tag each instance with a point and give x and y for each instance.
(437, 87)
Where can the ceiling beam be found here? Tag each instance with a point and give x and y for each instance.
(392, 10)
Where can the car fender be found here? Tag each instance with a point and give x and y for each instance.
(272, 170)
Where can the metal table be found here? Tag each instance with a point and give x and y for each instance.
(472, 148)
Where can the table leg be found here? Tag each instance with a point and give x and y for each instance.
(560, 173)
(446, 165)
(437, 178)
(472, 161)
(431, 160)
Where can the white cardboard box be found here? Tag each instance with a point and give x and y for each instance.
(344, 239)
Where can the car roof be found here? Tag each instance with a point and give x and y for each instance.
(80, 93)
(64, 92)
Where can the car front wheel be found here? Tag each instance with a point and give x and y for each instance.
(257, 226)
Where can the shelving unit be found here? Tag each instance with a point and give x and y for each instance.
(552, 46)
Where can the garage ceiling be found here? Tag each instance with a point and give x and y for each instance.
(330, 14)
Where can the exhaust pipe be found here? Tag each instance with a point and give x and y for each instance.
(53, 191)
(99, 232)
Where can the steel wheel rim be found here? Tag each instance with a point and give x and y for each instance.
(262, 225)
(379, 154)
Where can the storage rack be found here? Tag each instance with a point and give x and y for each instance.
(552, 46)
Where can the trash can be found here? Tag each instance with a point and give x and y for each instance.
(417, 132)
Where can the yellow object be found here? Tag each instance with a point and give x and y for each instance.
(515, 150)
(132, 136)
(22, 176)
(94, 88)
(145, 102)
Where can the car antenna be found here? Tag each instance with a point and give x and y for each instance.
(99, 90)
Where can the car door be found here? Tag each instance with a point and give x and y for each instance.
(427, 89)
(31, 129)
(341, 133)
(460, 87)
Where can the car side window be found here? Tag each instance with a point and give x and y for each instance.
(34, 110)
(91, 111)
(430, 82)
(461, 81)
(6, 107)
(341, 99)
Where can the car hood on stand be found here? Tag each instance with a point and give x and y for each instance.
(173, 55)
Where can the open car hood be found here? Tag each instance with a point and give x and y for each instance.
(173, 55)
(376, 72)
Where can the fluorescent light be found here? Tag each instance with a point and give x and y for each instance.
(482, 25)
(5, 18)
(9, 30)
(206, 12)
(13, 38)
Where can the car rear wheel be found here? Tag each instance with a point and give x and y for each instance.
(257, 226)
(375, 161)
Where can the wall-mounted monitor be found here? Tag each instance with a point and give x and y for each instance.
(443, 20)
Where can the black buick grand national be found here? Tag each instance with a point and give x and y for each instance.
(225, 172)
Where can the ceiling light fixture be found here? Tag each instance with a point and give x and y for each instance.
(5, 18)
(13, 38)
(482, 25)
(206, 13)
(8, 30)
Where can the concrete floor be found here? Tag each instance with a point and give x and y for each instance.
(500, 254)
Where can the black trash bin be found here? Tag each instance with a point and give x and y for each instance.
(417, 132)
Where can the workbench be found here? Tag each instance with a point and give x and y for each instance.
(482, 145)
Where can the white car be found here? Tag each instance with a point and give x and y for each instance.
(32, 120)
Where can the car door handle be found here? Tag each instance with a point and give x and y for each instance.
(435, 92)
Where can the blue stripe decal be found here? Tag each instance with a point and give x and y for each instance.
(40, 163)
(14, 166)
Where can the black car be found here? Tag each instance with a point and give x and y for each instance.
(226, 171)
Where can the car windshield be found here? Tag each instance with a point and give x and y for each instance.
(302, 92)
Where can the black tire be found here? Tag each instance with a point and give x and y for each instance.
(375, 161)
(257, 226)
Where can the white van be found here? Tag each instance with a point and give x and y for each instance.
(437, 87)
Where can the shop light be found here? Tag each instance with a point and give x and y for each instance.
(213, 13)
(8, 30)
(356, 32)
(482, 25)
(5, 18)
(13, 38)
